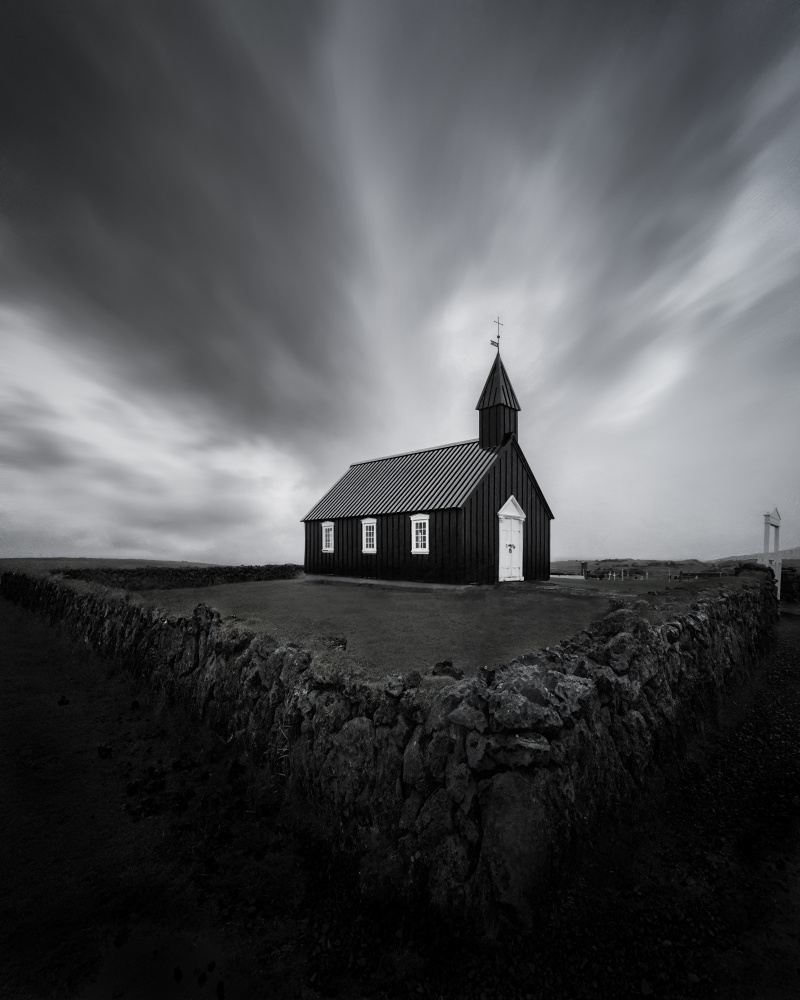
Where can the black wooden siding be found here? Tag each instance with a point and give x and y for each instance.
(507, 477)
(464, 543)
(394, 559)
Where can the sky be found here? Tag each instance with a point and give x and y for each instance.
(244, 244)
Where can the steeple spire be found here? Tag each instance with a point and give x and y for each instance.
(498, 406)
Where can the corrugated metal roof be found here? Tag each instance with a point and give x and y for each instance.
(498, 388)
(431, 479)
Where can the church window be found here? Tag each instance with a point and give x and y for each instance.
(419, 534)
(327, 536)
(368, 539)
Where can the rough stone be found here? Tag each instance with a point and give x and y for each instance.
(515, 852)
(460, 785)
(449, 870)
(394, 686)
(576, 696)
(471, 692)
(468, 717)
(413, 763)
(620, 650)
(411, 808)
(478, 756)
(349, 768)
(435, 819)
(446, 668)
(517, 751)
(436, 754)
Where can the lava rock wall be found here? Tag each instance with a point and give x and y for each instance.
(177, 577)
(472, 793)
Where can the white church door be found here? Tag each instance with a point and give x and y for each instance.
(512, 525)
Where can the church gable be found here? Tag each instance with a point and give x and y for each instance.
(512, 509)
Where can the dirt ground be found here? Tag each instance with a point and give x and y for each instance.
(140, 860)
(391, 629)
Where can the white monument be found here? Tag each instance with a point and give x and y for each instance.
(773, 520)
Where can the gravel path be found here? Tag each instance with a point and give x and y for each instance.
(138, 862)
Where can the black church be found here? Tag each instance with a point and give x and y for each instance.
(470, 512)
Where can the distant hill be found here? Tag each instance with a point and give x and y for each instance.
(784, 554)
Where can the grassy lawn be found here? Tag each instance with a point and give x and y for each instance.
(42, 566)
(395, 630)
(662, 586)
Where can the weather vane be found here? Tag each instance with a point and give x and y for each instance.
(496, 343)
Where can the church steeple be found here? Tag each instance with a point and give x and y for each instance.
(498, 407)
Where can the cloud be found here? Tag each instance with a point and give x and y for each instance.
(161, 196)
(244, 245)
(111, 470)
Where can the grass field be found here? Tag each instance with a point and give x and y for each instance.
(44, 565)
(659, 586)
(393, 629)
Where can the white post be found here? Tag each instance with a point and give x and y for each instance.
(766, 535)
(777, 536)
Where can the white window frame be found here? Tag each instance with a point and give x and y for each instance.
(325, 526)
(415, 520)
(367, 522)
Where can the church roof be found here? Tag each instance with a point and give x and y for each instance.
(498, 388)
(431, 479)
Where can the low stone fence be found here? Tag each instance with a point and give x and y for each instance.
(470, 793)
(176, 577)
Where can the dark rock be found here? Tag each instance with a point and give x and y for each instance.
(516, 850)
(517, 751)
(394, 686)
(446, 667)
(411, 808)
(575, 697)
(412, 679)
(413, 764)
(449, 870)
(104, 750)
(235, 773)
(460, 785)
(487, 675)
(350, 768)
(620, 650)
(63, 700)
(509, 710)
(436, 754)
(468, 717)
(435, 819)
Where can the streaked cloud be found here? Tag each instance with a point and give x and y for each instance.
(244, 245)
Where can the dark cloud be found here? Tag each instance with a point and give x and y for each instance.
(281, 228)
(162, 192)
(28, 441)
(642, 108)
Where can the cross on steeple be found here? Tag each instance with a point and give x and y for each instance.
(496, 343)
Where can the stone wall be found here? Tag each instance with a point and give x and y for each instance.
(471, 793)
(176, 577)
